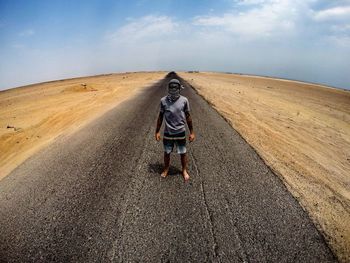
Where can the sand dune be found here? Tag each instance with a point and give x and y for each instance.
(32, 116)
(302, 131)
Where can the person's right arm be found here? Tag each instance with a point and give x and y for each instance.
(159, 124)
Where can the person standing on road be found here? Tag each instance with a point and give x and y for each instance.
(175, 109)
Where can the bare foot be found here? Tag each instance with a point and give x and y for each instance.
(164, 173)
(186, 175)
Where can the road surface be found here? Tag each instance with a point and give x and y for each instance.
(97, 196)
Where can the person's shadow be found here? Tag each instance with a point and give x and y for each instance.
(158, 169)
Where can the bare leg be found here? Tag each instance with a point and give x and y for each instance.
(184, 162)
(166, 164)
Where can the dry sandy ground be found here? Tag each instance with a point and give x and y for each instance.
(302, 131)
(32, 116)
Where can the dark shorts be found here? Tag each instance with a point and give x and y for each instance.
(177, 140)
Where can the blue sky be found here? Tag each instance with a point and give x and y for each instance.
(306, 40)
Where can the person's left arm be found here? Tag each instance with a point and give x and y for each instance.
(189, 122)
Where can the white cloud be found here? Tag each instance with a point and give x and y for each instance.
(252, 2)
(146, 28)
(343, 28)
(334, 13)
(340, 40)
(264, 18)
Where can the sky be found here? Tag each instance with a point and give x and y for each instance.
(307, 40)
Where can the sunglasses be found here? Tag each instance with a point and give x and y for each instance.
(174, 85)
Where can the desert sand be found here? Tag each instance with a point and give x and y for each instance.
(302, 131)
(33, 116)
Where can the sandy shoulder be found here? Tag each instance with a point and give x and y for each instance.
(302, 131)
(33, 116)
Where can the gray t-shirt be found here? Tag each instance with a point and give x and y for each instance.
(174, 114)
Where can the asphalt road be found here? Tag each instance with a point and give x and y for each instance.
(97, 196)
